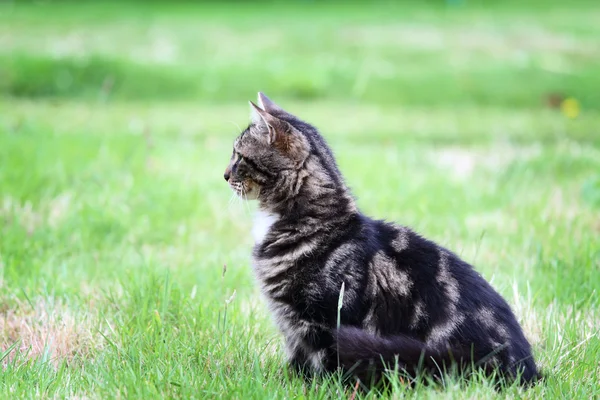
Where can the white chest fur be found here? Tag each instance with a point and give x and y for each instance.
(262, 223)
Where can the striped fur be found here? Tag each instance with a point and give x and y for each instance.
(406, 298)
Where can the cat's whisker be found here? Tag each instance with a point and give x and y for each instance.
(231, 200)
(236, 125)
(245, 196)
(238, 200)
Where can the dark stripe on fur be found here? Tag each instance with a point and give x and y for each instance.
(258, 168)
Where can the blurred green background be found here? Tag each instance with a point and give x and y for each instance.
(474, 122)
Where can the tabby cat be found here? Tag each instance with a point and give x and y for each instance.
(406, 301)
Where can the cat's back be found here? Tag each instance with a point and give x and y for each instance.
(427, 288)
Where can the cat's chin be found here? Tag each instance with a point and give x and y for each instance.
(248, 196)
(244, 194)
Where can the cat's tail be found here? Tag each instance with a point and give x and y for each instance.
(368, 356)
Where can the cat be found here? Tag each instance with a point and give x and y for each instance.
(406, 301)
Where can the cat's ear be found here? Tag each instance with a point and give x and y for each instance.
(277, 128)
(281, 134)
(266, 104)
(255, 114)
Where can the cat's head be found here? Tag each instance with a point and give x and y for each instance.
(276, 155)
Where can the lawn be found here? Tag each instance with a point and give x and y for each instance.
(125, 261)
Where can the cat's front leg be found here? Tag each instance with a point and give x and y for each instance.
(309, 344)
(309, 347)
(298, 360)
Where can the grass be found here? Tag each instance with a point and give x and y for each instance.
(116, 123)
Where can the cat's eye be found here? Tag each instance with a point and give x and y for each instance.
(237, 156)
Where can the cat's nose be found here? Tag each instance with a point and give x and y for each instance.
(226, 176)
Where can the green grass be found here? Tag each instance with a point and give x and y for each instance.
(116, 123)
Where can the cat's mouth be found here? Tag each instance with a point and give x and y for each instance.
(244, 189)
